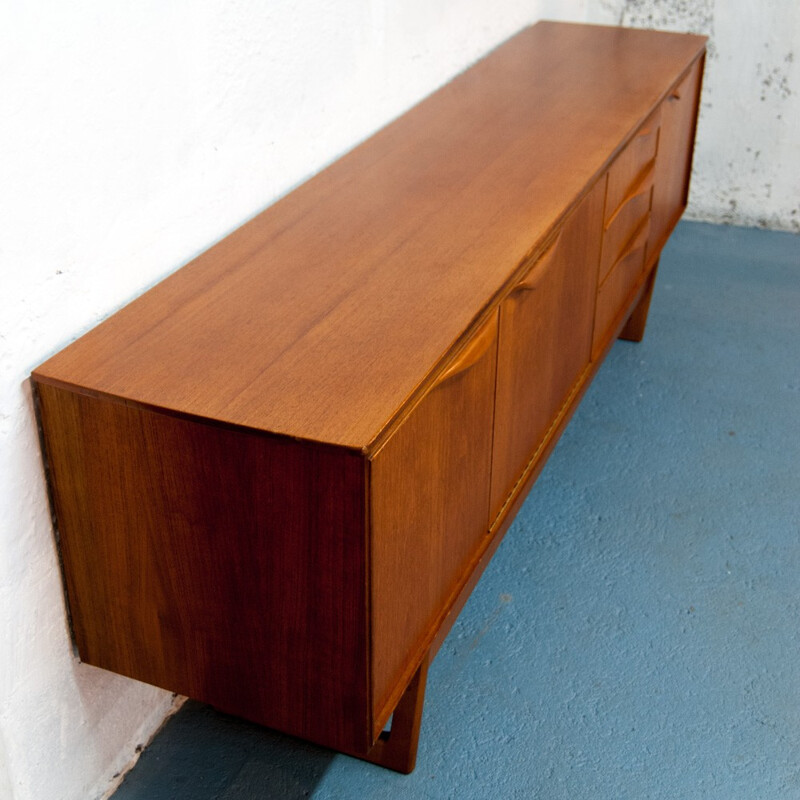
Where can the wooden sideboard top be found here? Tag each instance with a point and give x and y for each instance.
(323, 315)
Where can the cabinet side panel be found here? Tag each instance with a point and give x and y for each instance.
(430, 506)
(221, 564)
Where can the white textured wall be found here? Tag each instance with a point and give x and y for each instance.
(747, 161)
(133, 136)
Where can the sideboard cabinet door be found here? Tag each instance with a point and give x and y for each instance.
(674, 159)
(429, 508)
(545, 342)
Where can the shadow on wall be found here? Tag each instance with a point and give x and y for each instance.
(205, 754)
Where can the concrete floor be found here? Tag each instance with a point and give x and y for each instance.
(638, 632)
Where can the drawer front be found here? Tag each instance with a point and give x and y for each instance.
(615, 293)
(624, 225)
(632, 166)
(545, 343)
(429, 499)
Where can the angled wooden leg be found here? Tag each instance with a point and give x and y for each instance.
(634, 327)
(397, 748)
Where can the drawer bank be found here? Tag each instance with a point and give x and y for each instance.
(278, 474)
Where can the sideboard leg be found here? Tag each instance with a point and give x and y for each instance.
(634, 327)
(397, 748)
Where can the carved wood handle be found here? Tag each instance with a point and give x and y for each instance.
(643, 133)
(636, 242)
(471, 354)
(641, 185)
(534, 275)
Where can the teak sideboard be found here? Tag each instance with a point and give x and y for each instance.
(278, 474)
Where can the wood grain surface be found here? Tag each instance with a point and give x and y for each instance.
(320, 317)
(226, 566)
(545, 342)
(674, 165)
(430, 512)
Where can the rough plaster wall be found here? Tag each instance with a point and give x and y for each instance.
(747, 159)
(5, 777)
(134, 135)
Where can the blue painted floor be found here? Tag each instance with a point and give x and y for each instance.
(638, 632)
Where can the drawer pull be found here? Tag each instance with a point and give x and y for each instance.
(675, 94)
(630, 171)
(534, 276)
(471, 354)
(641, 185)
(637, 241)
(649, 130)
